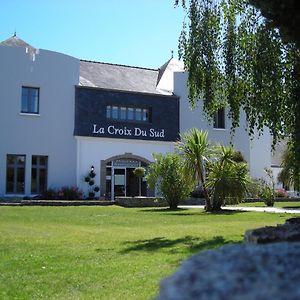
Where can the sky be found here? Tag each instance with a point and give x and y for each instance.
(131, 32)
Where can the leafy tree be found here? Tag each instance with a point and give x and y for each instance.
(167, 173)
(284, 14)
(196, 150)
(237, 59)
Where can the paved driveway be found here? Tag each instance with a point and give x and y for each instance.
(259, 209)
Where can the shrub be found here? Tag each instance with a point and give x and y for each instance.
(69, 193)
(253, 188)
(266, 193)
(281, 193)
(49, 194)
(168, 174)
(64, 193)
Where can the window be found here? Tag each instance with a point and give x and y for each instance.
(39, 170)
(128, 113)
(115, 114)
(138, 114)
(108, 111)
(123, 114)
(15, 174)
(219, 118)
(145, 114)
(30, 100)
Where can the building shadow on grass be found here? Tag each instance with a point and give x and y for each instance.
(193, 244)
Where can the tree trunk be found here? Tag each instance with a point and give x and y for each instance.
(208, 205)
(217, 204)
(173, 204)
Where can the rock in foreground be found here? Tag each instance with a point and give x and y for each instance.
(238, 272)
(290, 231)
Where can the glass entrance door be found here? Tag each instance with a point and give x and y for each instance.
(132, 183)
(119, 182)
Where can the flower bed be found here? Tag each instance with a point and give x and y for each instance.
(141, 201)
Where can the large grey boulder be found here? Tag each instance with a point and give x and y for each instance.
(290, 231)
(238, 272)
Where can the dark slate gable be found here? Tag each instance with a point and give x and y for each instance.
(118, 77)
(90, 114)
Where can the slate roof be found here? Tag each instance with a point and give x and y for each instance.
(119, 77)
(15, 41)
(114, 76)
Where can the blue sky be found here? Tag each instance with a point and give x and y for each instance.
(132, 32)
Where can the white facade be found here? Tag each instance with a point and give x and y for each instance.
(50, 132)
(257, 151)
(90, 152)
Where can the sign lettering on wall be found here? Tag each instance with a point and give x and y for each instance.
(124, 131)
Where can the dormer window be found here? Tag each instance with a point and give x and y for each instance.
(128, 113)
(30, 100)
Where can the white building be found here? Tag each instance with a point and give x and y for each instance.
(60, 116)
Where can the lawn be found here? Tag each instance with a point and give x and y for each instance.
(107, 252)
(281, 204)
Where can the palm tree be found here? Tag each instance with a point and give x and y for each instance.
(221, 171)
(286, 175)
(196, 150)
(227, 178)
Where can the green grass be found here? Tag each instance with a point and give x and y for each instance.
(281, 204)
(107, 252)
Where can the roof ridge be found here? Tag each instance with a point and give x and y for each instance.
(16, 42)
(120, 65)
